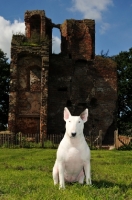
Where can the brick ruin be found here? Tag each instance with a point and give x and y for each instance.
(43, 83)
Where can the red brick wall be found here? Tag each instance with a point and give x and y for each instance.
(78, 39)
(42, 83)
(28, 89)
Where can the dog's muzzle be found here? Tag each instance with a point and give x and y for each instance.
(73, 134)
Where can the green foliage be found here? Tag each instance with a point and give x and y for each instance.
(27, 174)
(49, 144)
(4, 90)
(124, 71)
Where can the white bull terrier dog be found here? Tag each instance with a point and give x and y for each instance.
(73, 155)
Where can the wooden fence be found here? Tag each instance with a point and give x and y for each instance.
(9, 139)
(121, 140)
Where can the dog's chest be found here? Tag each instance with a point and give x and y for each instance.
(73, 155)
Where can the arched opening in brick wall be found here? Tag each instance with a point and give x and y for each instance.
(35, 27)
(56, 41)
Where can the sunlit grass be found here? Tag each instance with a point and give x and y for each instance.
(26, 174)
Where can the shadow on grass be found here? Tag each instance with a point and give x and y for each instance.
(108, 184)
(1, 193)
(103, 184)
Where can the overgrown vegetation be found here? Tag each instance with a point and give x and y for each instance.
(27, 174)
(34, 40)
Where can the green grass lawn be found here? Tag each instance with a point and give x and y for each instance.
(26, 174)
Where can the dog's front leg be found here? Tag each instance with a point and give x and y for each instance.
(61, 175)
(87, 173)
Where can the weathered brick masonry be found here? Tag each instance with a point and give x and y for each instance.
(42, 83)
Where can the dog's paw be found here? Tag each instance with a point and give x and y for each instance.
(55, 182)
(88, 182)
(61, 187)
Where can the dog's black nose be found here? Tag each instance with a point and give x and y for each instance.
(73, 134)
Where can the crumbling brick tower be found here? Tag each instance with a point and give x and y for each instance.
(42, 83)
(29, 76)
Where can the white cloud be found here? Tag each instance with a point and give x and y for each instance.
(104, 27)
(56, 44)
(6, 31)
(91, 9)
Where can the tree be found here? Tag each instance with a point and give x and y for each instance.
(4, 90)
(104, 55)
(124, 73)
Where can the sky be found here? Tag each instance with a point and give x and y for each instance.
(113, 21)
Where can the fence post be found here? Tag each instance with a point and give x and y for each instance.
(42, 140)
(100, 139)
(116, 139)
(20, 139)
(90, 138)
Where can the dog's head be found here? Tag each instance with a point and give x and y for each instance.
(75, 124)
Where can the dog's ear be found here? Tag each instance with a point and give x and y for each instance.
(84, 115)
(67, 113)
